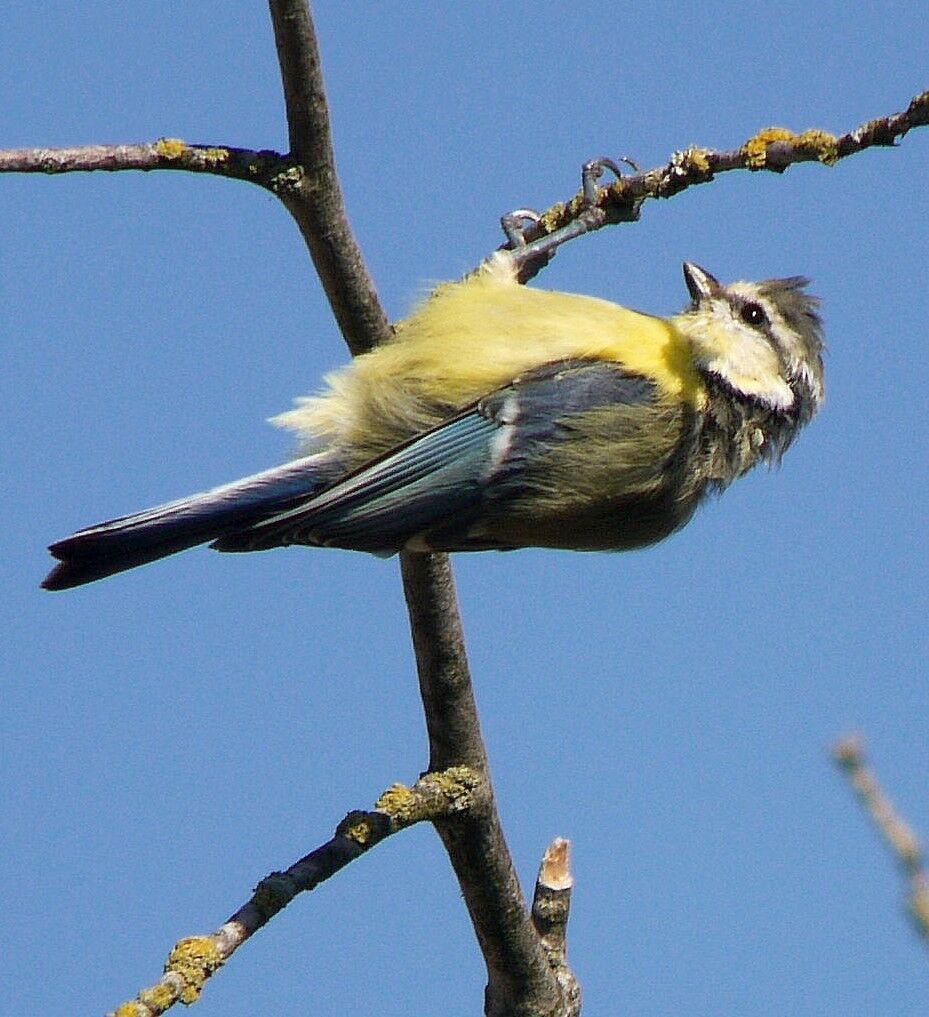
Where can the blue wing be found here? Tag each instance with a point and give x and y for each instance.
(442, 480)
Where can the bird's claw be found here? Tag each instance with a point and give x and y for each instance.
(593, 170)
(513, 224)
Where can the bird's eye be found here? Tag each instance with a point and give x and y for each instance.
(754, 314)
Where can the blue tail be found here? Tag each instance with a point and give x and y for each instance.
(124, 543)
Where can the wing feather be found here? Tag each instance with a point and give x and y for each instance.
(442, 478)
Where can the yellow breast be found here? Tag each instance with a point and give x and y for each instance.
(474, 336)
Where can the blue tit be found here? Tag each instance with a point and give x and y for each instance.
(501, 416)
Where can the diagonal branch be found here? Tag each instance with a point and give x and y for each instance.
(773, 149)
(194, 959)
(899, 837)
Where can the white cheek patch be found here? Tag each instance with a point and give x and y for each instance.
(743, 359)
(752, 366)
(753, 378)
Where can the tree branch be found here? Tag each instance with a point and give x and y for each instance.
(848, 754)
(315, 198)
(194, 959)
(268, 169)
(519, 977)
(308, 185)
(525, 955)
(773, 149)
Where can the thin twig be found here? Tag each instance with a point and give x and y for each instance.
(897, 834)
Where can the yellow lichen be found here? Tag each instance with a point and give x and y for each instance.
(194, 959)
(755, 150)
(552, 218)
(158, 998)
(822, 144)
(692, 161)
(357, 827)
(171, 148)
(697, 158)
(397, 801)
(456, 785)
(179, 151)
(132, 1009)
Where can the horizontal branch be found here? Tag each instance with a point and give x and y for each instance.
(774, 149)
(193, 960)
(268, 169)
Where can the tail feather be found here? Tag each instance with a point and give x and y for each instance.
(154, 533)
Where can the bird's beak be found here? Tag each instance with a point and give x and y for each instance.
(701, 284)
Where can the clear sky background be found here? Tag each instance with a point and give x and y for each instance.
(171, 735)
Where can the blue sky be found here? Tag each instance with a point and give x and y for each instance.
(171, 735)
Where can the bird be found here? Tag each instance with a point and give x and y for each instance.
(501, 416)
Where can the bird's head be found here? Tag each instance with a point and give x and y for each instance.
(762, 340)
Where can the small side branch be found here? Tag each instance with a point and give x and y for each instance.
(897, 834)
(194, 959)
(551, 907)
